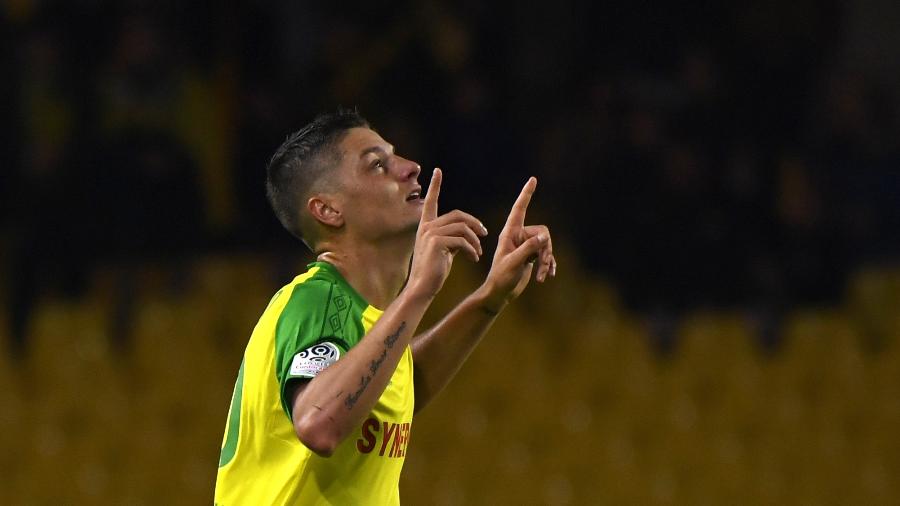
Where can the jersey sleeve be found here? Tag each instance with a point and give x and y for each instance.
(312, 333)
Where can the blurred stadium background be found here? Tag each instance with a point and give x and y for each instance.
(722, 182)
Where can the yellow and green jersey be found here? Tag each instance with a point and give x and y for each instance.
(309, 324)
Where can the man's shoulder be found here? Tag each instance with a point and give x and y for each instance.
(311, 292)
(316, 289)
(314, 306)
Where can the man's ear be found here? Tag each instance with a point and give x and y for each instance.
(325, 212)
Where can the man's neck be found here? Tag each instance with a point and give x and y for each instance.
(377, 271)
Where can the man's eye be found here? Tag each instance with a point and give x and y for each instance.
(378, 164)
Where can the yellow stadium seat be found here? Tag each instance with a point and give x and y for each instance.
(173, 346)
(14, 429)
(232, 292)
(873, 299)
(822, 355)
(75, 384)
(717, 363)
(821, 380)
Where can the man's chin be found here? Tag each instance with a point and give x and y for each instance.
(407, 231)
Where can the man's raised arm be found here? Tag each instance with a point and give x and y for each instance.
(439, 352)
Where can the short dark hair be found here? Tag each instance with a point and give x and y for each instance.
(300, 162)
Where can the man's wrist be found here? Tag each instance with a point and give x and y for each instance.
(486, 299)
(413, 293)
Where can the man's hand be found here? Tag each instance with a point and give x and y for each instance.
(440, 351)
(439, 239)
(519, 249)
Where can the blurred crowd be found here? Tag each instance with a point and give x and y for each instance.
(738, 155)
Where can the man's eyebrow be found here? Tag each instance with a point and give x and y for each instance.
(376, 149)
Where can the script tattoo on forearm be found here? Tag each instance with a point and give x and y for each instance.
(374, 365)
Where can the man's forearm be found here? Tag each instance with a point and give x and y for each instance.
(439, 352)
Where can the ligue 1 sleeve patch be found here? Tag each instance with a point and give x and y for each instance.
(313, 360)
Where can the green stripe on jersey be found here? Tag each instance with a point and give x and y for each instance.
(234, 420)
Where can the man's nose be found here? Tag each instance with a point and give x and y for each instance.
(408, 169)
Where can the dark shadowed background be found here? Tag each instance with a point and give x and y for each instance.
(722, 180)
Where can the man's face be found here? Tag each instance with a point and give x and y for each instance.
(378, 190)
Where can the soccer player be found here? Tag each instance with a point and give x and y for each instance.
(334, 370)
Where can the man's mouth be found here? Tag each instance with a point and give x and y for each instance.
(414, 195)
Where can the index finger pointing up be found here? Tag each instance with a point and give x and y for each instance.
(517, 214)
(430, 206)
